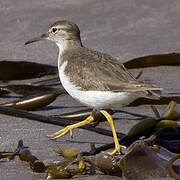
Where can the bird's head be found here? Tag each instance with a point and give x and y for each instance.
(60, 32)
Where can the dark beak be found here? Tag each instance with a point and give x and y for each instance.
(42, 37)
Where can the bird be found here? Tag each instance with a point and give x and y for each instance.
(93, 78)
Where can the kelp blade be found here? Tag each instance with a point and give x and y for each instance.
(154, 60)
(34, 102)
(83, 114)
(162, 100)
(26, 89)
(19, 70)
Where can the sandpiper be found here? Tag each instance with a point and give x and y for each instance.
(93, 78)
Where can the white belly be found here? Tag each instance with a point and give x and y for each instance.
(95, 99)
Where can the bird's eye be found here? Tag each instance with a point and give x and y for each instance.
(54, 30)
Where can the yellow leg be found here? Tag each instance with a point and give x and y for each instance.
(69, 128)
(117, 145)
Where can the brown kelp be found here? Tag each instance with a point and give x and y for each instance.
(65, 170)
(141, 162)
(162, 100)
(166, 123)
(168, 137)
(143, 127)
(25, 155)
(106, 163)
(170, 112)
(32, 103)
(18, 70)
(154, 60)
(171, 171)
(67, 153)
(83, 114)
(8, 155)
(28, 90)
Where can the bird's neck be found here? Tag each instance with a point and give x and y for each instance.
(66, 45)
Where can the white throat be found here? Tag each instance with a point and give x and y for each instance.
(62, 46)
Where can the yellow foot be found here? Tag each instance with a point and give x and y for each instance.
(68, 129)
(61, 133)
(117, 145)
(117, 150)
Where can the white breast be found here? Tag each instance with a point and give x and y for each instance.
(95, 99)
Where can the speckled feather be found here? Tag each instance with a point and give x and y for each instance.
(92, 70)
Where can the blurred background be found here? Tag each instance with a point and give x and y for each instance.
(124, 29)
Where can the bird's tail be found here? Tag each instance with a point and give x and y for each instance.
(152, 91)
(154, 94)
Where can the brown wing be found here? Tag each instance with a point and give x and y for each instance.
(93, 70)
